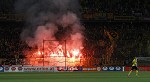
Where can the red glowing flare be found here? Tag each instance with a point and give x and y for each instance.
(57, 57)
(75, 52)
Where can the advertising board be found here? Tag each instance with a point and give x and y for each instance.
(1, 69)
(112, 68)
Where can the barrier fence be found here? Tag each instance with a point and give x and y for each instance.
(58, 68)
(67, 69)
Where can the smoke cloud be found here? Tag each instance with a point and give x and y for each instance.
(51, 20)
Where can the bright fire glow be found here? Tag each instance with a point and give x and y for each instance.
(56, 57)
(75, 52)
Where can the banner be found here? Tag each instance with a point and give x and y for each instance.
(27, 69)
(38, 69)
(13, 69)
(90, 69)
(112, 68)
(67, 69)
(141, 68)
(1, 69)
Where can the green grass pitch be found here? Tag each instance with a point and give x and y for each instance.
(74, 77)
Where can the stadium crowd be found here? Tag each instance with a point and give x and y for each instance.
(99, 8)
(133, 35)
(133, 39)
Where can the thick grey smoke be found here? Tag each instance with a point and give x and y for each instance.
(51, 20)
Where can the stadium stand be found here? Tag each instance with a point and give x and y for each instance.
(96, 17)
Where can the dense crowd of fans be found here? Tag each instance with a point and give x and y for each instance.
(133, 37)
(98, 8)
(10, 43)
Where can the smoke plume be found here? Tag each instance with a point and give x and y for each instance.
(51, 20)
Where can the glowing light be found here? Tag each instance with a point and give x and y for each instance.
(75, 52)
(56, 57)
(39, 53)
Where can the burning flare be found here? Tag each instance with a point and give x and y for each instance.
(56, 56)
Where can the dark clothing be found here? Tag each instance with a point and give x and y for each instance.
(134, 67)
